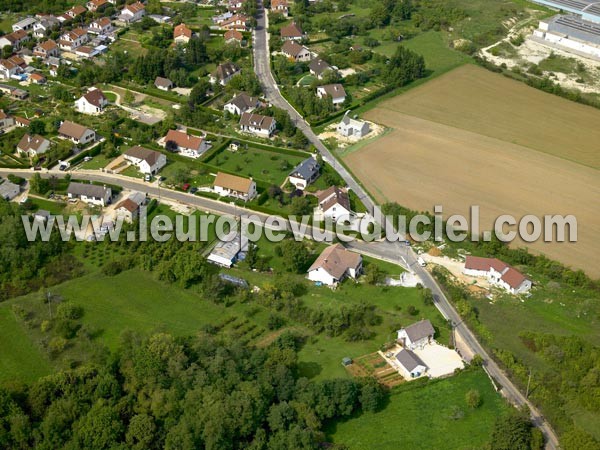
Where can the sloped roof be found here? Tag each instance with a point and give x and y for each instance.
(29, 142)
(292, 30)
(333, 196)
(306, 169)
(419, 330)
(163, 82)
(135, 7)
(233, 34)
(72, 129)
(319, 66)
(184, 140)
(292, 48)
(129, 205)
(145, 154)
(89, 190)
(336, 260)
(48, 45)
(243, 101)
(233, 182)
(256, 120)
(182, 30)
(95, 97)
(335, 90)
(409, 360)
(226, 70)
(513, 277)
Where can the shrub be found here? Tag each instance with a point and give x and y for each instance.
(473, 398)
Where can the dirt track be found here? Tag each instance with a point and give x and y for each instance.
(424, 162)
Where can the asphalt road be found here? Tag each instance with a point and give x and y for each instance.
(404, 255)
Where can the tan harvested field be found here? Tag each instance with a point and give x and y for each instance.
(462, 150)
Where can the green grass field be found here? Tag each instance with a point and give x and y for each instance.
(415, 411)
(256, 163)
(20, 358)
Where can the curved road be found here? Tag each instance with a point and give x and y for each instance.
(387, 250)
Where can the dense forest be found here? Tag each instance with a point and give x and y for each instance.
(197, 392)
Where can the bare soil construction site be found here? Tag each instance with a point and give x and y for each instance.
(472, 137)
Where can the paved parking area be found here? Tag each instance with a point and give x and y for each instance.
(440, 360)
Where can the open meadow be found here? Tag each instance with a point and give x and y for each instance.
(472, 137)
(416, 409)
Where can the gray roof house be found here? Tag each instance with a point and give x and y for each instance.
(352, 127)
(318, 67)
(9, 190)
(241, 103)
(411, 365)
(90, 193)
(305, 173)
(416, 335)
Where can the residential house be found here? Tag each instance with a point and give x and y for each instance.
(182, 34)
(25, 24)
(147, 161)
(160, 18)
(75, 11)
(237, 22)
(22, 122)
(305, 173)
(334, 203)
(86, 51)
(295, 51)
(6, 121)
(417, 335)
(292, 32)
(349, 127)
(318, 67)
(133, 12)
(263, 126)
(78, 134)
(241, 103)
(280, 7)
(224, 73)
(91, 194)
(37, 78)
(334, 264)
(14, 39)
(129, 209)
(233, 37)
(222, 17)
(96, 5)
(44, 26)
(18, 61)
(410, 364)
(46, 49)
(8, 69)
(335, 91)
(9, 190)
(186, 144)
(32, 146)
(101, 26)
(233, 186)
(235, 5)
(226, 252)
(498, 273)
(164, 84)
(73, 39)
(92, 102)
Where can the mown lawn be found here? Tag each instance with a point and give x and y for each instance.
(20, 358)
(256, 163)
(419, 416)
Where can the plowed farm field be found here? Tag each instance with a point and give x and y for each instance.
(472, 137)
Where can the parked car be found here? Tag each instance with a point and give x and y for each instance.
(193, 190)
(185, 187)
